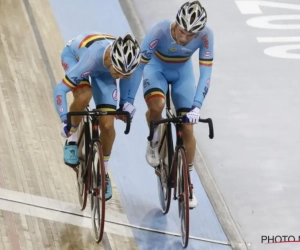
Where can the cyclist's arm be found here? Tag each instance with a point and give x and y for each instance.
(60, 100)
(76, 75)
(206, 55)
(129, 87)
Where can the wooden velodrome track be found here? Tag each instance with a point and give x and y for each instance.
(32, 173)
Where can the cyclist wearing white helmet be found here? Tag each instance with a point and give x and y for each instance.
(166, 56)
(92, 63)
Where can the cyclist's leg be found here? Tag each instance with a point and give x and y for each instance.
(155, 87)
(183, 93)
(82, 95)
(105, 96)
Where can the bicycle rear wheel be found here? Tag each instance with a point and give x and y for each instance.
(183, 196)
(164, 190)
(98, 191)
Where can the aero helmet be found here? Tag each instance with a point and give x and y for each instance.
(192, 17)
(125, 54)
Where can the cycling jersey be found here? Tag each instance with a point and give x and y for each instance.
(83, 59)
(164, 60)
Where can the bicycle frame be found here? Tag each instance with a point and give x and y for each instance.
(172, 153)
(93, 115)
(177, 121)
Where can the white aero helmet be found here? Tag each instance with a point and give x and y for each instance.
(125, 54)
(192, 17)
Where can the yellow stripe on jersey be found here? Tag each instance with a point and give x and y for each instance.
(144, 60)
(206, 62)
(154, 94)
(68, 82)
(73, 85)
(171, 59)
(88, 40)
(106, 109)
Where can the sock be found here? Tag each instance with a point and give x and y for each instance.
(72, 138)
(191, 167)
(106, 159)
(156, 135)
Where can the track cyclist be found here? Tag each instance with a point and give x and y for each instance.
(93, 62)
(166, 56)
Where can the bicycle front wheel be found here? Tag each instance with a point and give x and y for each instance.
(98, 191)
(164, 190)
(81, 177)
(183, 196)
(82, 185)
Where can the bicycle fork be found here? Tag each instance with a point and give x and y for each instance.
(174, 168)
(95, 134)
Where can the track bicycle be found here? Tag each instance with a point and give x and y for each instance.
(173, 172)
(91, 170)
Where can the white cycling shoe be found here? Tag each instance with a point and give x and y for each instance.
(193, 202)
(152, 155)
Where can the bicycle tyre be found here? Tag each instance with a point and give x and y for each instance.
(98, 191)
(183, 196)
(164, 190)
(81, 180)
